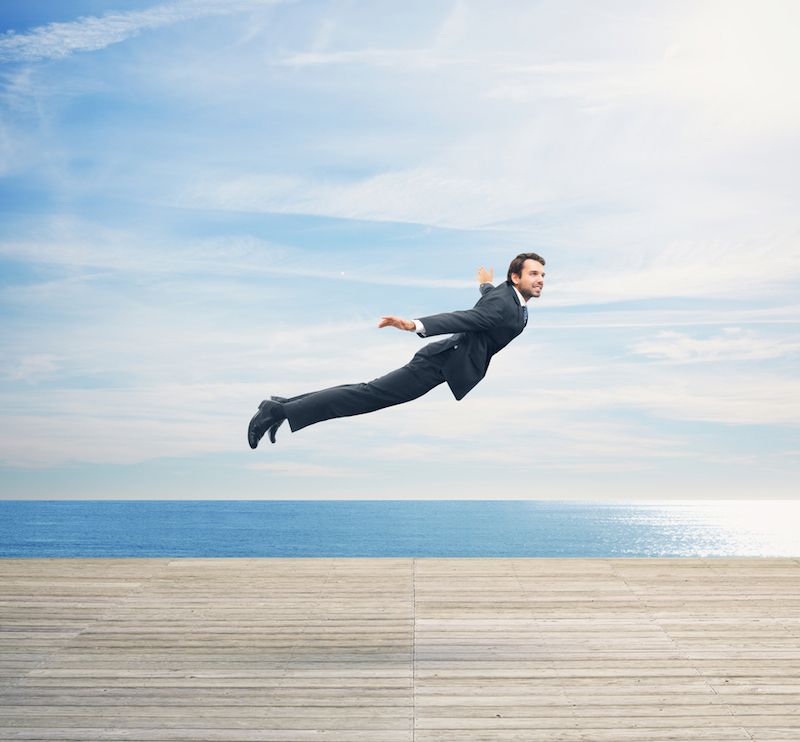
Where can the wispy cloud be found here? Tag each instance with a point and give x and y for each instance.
(30, 368)
(765, 399)
(707, 270)
(86, 247)
(733, 344)
(425, 195)
(395, 58)
(704, 268)
(308, 470)
(149, 421)
(58, 40)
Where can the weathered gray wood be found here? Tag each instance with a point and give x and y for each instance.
(384, 650)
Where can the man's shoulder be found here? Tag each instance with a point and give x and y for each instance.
(502, 292)
(504, 286)
(500, 301)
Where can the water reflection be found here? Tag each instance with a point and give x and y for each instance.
(723, 528)
(397, 528)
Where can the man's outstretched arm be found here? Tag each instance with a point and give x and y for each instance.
(472, 316)
(484, 316)
(485, 279)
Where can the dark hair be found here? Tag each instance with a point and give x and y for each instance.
(519, 261)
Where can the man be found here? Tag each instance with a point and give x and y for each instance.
(461, 360)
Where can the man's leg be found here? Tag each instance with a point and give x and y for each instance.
(413, 380)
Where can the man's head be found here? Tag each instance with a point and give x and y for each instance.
(526, 272)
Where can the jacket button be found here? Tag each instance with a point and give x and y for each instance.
(455, 347)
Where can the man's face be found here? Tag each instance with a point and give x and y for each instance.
(530, 281)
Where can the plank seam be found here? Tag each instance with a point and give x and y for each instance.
(678, 650)
(413, 650)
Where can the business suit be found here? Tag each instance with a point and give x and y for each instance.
(460, 360)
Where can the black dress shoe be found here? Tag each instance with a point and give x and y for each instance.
(269, 414)
(273, 429)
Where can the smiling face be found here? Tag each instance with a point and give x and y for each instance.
(530, 280)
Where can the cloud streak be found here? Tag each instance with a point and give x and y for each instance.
(734, 344)
(59, 40)
(703, 269)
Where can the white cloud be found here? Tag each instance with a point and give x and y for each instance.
(76, 244)
(649, 127)
(454, 192)
(749, 267)
(704, 269)
(404, 59)
(733, 344)
(757, 399)
(546, 378)
(573, 420)
(738, 59)
(30, 368)
(294, 469)
(58, 40)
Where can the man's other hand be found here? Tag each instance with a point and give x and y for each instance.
(398, 322)
(485, 276)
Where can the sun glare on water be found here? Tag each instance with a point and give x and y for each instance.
(742, 527)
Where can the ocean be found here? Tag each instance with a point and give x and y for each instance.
(396, 528)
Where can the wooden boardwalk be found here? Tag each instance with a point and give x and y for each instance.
(395, 650)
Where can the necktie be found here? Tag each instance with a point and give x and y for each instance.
(525, 315)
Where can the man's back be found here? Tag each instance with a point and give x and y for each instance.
(480, 332)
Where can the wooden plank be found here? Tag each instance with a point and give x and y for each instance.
(399, 649)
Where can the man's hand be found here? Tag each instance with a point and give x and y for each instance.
(485, 276)
(398, 322)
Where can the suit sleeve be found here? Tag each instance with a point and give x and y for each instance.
(486, 314)
(485, 288)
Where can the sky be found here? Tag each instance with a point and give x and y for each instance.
(207, 202)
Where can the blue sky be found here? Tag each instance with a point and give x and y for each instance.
(203, 203)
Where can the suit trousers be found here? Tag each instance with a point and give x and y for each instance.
(421, 374)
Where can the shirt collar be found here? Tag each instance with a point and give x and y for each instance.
(522, 301)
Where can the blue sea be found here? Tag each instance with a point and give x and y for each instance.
(396, 528)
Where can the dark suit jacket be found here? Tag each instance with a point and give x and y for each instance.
(490, 325)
